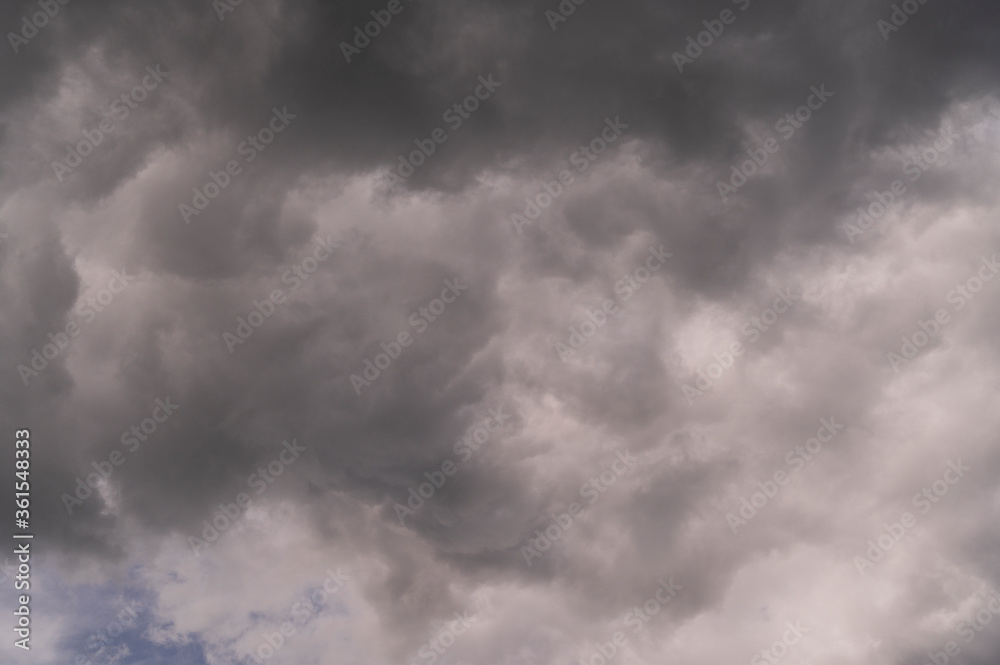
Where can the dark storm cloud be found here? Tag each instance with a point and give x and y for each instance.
(493, 347)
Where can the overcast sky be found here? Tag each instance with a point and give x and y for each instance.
(538, 333)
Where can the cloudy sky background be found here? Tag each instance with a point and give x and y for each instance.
(326, 176)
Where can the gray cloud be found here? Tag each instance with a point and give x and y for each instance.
(326, 176)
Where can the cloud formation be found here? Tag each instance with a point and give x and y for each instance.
(236, 208)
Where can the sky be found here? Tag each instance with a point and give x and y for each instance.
(415, 332)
